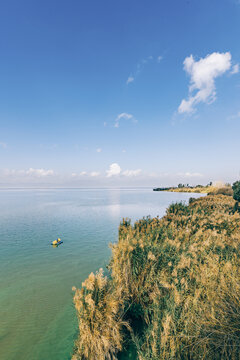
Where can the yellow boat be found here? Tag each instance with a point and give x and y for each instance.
(57, 242)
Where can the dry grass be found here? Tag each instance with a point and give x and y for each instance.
(100, 319)
(210, 190)
(179, 276)
(225, 190)
(200, 190)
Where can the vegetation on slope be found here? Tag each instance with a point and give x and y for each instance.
(173, 289)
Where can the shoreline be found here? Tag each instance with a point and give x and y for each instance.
(199, 189)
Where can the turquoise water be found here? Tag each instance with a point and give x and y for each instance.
(37, 318)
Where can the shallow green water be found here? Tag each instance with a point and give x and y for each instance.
(37, 318)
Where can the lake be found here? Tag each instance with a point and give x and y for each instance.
(37, 316)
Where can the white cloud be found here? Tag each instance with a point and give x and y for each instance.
(94, 173)
(3, 145)
(28, 173)
(140, 67)
(99, 150)
(114, 169)
(235, 69)
(124, 150)
(84, 173)
(39, 172)
(202, 79)
(190, 175)
(129, 80)
(123, 116)
(131, 173)
(9, 172)
(105, 124)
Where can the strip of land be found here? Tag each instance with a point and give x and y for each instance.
(202, 189)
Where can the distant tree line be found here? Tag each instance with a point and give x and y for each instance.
(181, 186)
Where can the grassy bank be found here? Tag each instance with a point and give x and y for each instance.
(173, 290)
(212, 190)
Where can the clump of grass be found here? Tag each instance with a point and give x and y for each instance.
(220, 316)
(226, 190)
(100, 320)
(178, 208)
(179, 276)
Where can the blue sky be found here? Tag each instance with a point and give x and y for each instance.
(119, 93)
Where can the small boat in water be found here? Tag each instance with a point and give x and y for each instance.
(56, 242)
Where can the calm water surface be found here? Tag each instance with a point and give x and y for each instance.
(37, 318)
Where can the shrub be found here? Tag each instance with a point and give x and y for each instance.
(236, 207)
(178, 208)
(236, 191)
(227, 190)
(191, 200)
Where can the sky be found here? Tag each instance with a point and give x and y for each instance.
(119, 93)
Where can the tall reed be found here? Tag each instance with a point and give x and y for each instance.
(174, 284)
